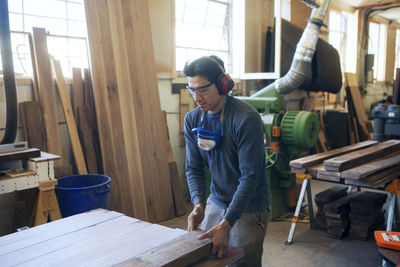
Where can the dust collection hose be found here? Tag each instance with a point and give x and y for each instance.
(8, 75)
(301, 64)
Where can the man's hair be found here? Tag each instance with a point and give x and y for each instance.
(209, 67)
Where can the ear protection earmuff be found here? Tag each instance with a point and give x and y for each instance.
(224, 82)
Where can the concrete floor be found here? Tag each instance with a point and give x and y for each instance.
(310, 247)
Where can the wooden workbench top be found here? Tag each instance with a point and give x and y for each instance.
(102, 238)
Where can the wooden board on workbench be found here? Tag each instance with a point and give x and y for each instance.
(180, 251)
(47, 94)
(371, 167)
(377, 179)
(128, 108)
(318, 158)
(358, 157)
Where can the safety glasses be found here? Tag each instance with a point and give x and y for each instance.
(201, 90)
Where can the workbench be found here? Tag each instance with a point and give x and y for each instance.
(371, 165)
(104, 238)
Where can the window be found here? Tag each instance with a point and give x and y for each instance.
(397, 52)
(202, 27)
(342, 36)
(377, 47)
(64, 20)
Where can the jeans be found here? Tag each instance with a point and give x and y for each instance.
(247, 233)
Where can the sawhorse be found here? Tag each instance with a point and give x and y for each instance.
(392, 189)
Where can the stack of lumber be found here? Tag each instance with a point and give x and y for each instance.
(366, 213)
(323, 198)
(128, 110)
(337, 217)
(368, 163)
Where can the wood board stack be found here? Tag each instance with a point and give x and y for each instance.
(128, 110)
(366, 213)
(337, 217)
(368, 163)
(323, 198)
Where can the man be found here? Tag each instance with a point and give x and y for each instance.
(226, 135)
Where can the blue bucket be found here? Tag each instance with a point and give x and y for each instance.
(80, 193)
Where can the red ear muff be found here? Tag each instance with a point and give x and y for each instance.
(225, 84)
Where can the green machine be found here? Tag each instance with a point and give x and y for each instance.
(315, 66)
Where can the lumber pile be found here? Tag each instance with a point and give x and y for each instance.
(129, 117)
(337, 217)
(323, 198)
(368, 163)
(366, 214)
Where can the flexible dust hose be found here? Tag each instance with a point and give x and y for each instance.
(301, 64)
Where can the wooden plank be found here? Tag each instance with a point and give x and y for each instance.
(134, 102)
(318, 158)
(44, 156)
(35, 86)
(104, 244)
(20, 154)
(371, 167)
(69, 118)
(355, 158)
(114, 165)
(184, 107)
(313, 170)
(87, 141)
(377, 179)
(32, 124)
(328, 178)
(91, 116)
(49, 231)
(323, 171)
(181, 251)
(179, 200)
(77, 91)
(47, 94)
(358, 103)
(147, 106)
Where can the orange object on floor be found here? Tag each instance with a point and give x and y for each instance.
(386, 239)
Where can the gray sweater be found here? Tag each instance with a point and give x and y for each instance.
(237, 165)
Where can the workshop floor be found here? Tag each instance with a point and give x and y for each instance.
(310, 247)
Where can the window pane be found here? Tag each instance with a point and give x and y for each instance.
(53, 26)
(76, 11)
(77, 29)
(15, 6)
(48, 8)
(16, 22)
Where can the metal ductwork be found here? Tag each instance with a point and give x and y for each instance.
(300, 68)
(301, 64)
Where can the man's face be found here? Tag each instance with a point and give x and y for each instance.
(206, 97)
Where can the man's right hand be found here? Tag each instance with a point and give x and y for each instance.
(195, 217)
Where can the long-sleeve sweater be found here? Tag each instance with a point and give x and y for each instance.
(237, 165)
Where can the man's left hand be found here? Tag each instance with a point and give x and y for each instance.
(219, 235)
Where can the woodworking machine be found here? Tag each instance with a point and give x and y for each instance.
(292, 131)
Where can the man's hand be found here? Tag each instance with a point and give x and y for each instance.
(219, 235)
(195, 217)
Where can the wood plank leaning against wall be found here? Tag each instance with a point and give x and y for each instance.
(128, 105)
